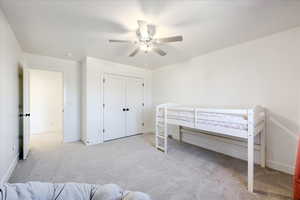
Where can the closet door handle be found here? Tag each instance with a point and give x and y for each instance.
(124, 109)
(127, 109)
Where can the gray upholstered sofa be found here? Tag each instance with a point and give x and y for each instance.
(67, 191)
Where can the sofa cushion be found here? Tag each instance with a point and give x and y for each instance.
(63, 191)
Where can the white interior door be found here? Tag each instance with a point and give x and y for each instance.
(114, 102)
(135, 105)
(26, 113)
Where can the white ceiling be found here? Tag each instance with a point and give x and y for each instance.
(83, 27)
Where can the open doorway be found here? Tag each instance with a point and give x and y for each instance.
(46, 90)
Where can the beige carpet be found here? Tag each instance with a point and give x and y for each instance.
(186, 173)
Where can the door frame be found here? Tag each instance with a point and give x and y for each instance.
(24, 82)
(63, 96)
(102, 96)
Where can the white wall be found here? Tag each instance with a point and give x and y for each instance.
(92, 71)
(71, 73)
(46, 102)
(265, 71)
(10, 55)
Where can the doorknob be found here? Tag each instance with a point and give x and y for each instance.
(124, 109)
(127, 109)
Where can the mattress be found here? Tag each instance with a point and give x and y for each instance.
(232, 121)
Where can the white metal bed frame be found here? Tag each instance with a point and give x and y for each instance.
(256, 120)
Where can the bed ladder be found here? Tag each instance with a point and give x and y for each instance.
(161, 132)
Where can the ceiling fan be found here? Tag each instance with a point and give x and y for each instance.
(146, 41)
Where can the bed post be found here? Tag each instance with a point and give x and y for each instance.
(166, 129)
(263, 145)
(250, 150)
(180, 134)
(156, 128)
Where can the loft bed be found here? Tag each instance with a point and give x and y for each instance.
(237, 123)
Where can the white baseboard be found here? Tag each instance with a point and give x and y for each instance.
(69, 140)
(10, 170)
(89, 143)
(281, 167)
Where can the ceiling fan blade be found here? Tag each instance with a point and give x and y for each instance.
(159, 51)
(121, 41)
(178, 38)
(134, 52)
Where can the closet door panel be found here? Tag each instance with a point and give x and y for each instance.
(114, 100)
(134, 101)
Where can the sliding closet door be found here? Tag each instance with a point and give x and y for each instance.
(135, 102)
(114, 103)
